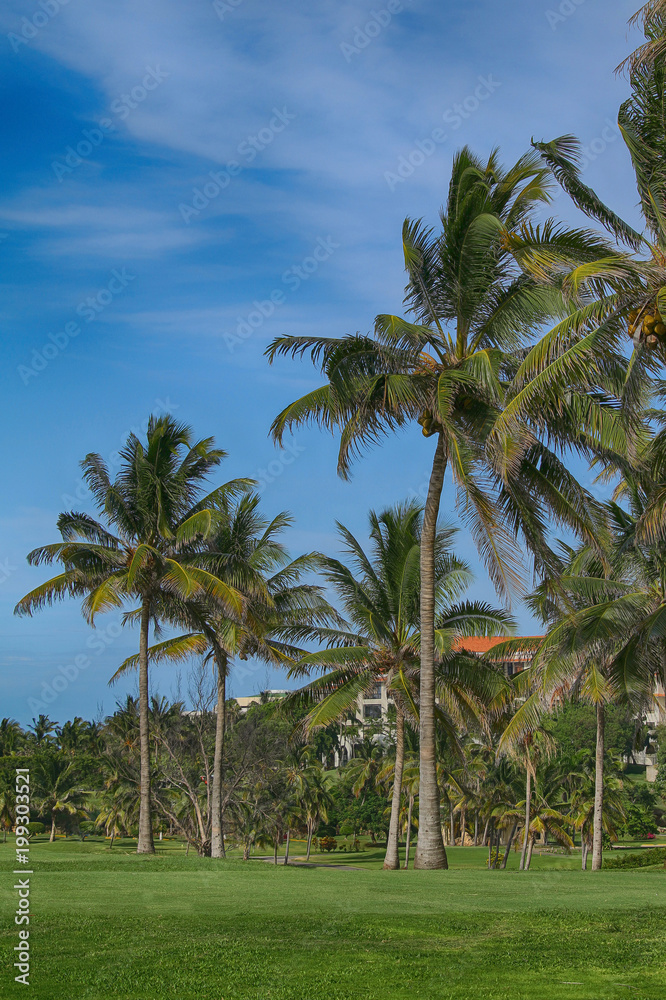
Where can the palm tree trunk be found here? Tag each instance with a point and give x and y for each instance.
(52, 837)
(528, 859)
(286, 850)
(599, 790)
(452, 825)
(583, 855)
(491, 838)
(476, 827)
(310, 832)
(528, 802)
(430, 850)
(462, 826)
(113, 834)
(217, 834)
(145, 843)
(509, 845)
(409, 830)
(485, 832)
(275, 850)
(392, 859)
(498, 844)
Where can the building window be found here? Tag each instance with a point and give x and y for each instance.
(374, 693)
(372, 711)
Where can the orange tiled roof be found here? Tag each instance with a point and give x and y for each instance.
(478, 644)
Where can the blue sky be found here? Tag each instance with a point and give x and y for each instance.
(170, 171)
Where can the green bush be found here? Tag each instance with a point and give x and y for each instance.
(327, 843)
(495, 858)
(34, 829)
(640, 859)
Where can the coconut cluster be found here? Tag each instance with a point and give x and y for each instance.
(647, 326)
(428, 425)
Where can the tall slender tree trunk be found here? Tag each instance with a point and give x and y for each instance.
(145, 843)
(53, 828)
(509, 844)
(113, 834)
(430, 850)
(409, 830)
(217, 833)
(476, 827)
(452, 825)
(485, 832)
(392, 859)
(275, 849)
(463, 812)
(583, 855)
(528, 859)
(286, 849)
(490, 843)
(310, 832)
(599, 790)
(528, 803)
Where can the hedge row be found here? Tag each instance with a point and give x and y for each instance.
(641, 859)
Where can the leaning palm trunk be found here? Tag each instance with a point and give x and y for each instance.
(310, 833)
(409, 830)
(583, 852)
(53, 828)
(392, 859)
(145, 843)
(217, 834)
(430, 850)
(526, 835)
(528, 859)
(598, 790)
(509, 845)
(286, 849)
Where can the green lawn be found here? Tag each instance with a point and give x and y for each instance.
(109, 925)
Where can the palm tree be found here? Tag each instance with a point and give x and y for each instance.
(7, 804)
(379, 594)
(157, 508)
(42, 730)
(313, 792)
(11, 736)
(58, 788)
(599, 645)
(279, 610)
(475, 312)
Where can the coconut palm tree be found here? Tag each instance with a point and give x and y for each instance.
(603, 644)
(313, 792)
(379, 594)
(157, 507)
(57, 788)
(474, 312)
(583, 804)
(12, 736)
(279, 612)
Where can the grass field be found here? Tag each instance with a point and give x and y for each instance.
(108, 925)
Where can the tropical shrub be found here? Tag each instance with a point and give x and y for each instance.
(641, 859)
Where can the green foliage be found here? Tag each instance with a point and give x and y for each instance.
(660, 783)
(574, 727)
(639, 859)
(640, 820)
(327, 844)
(35, 828)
